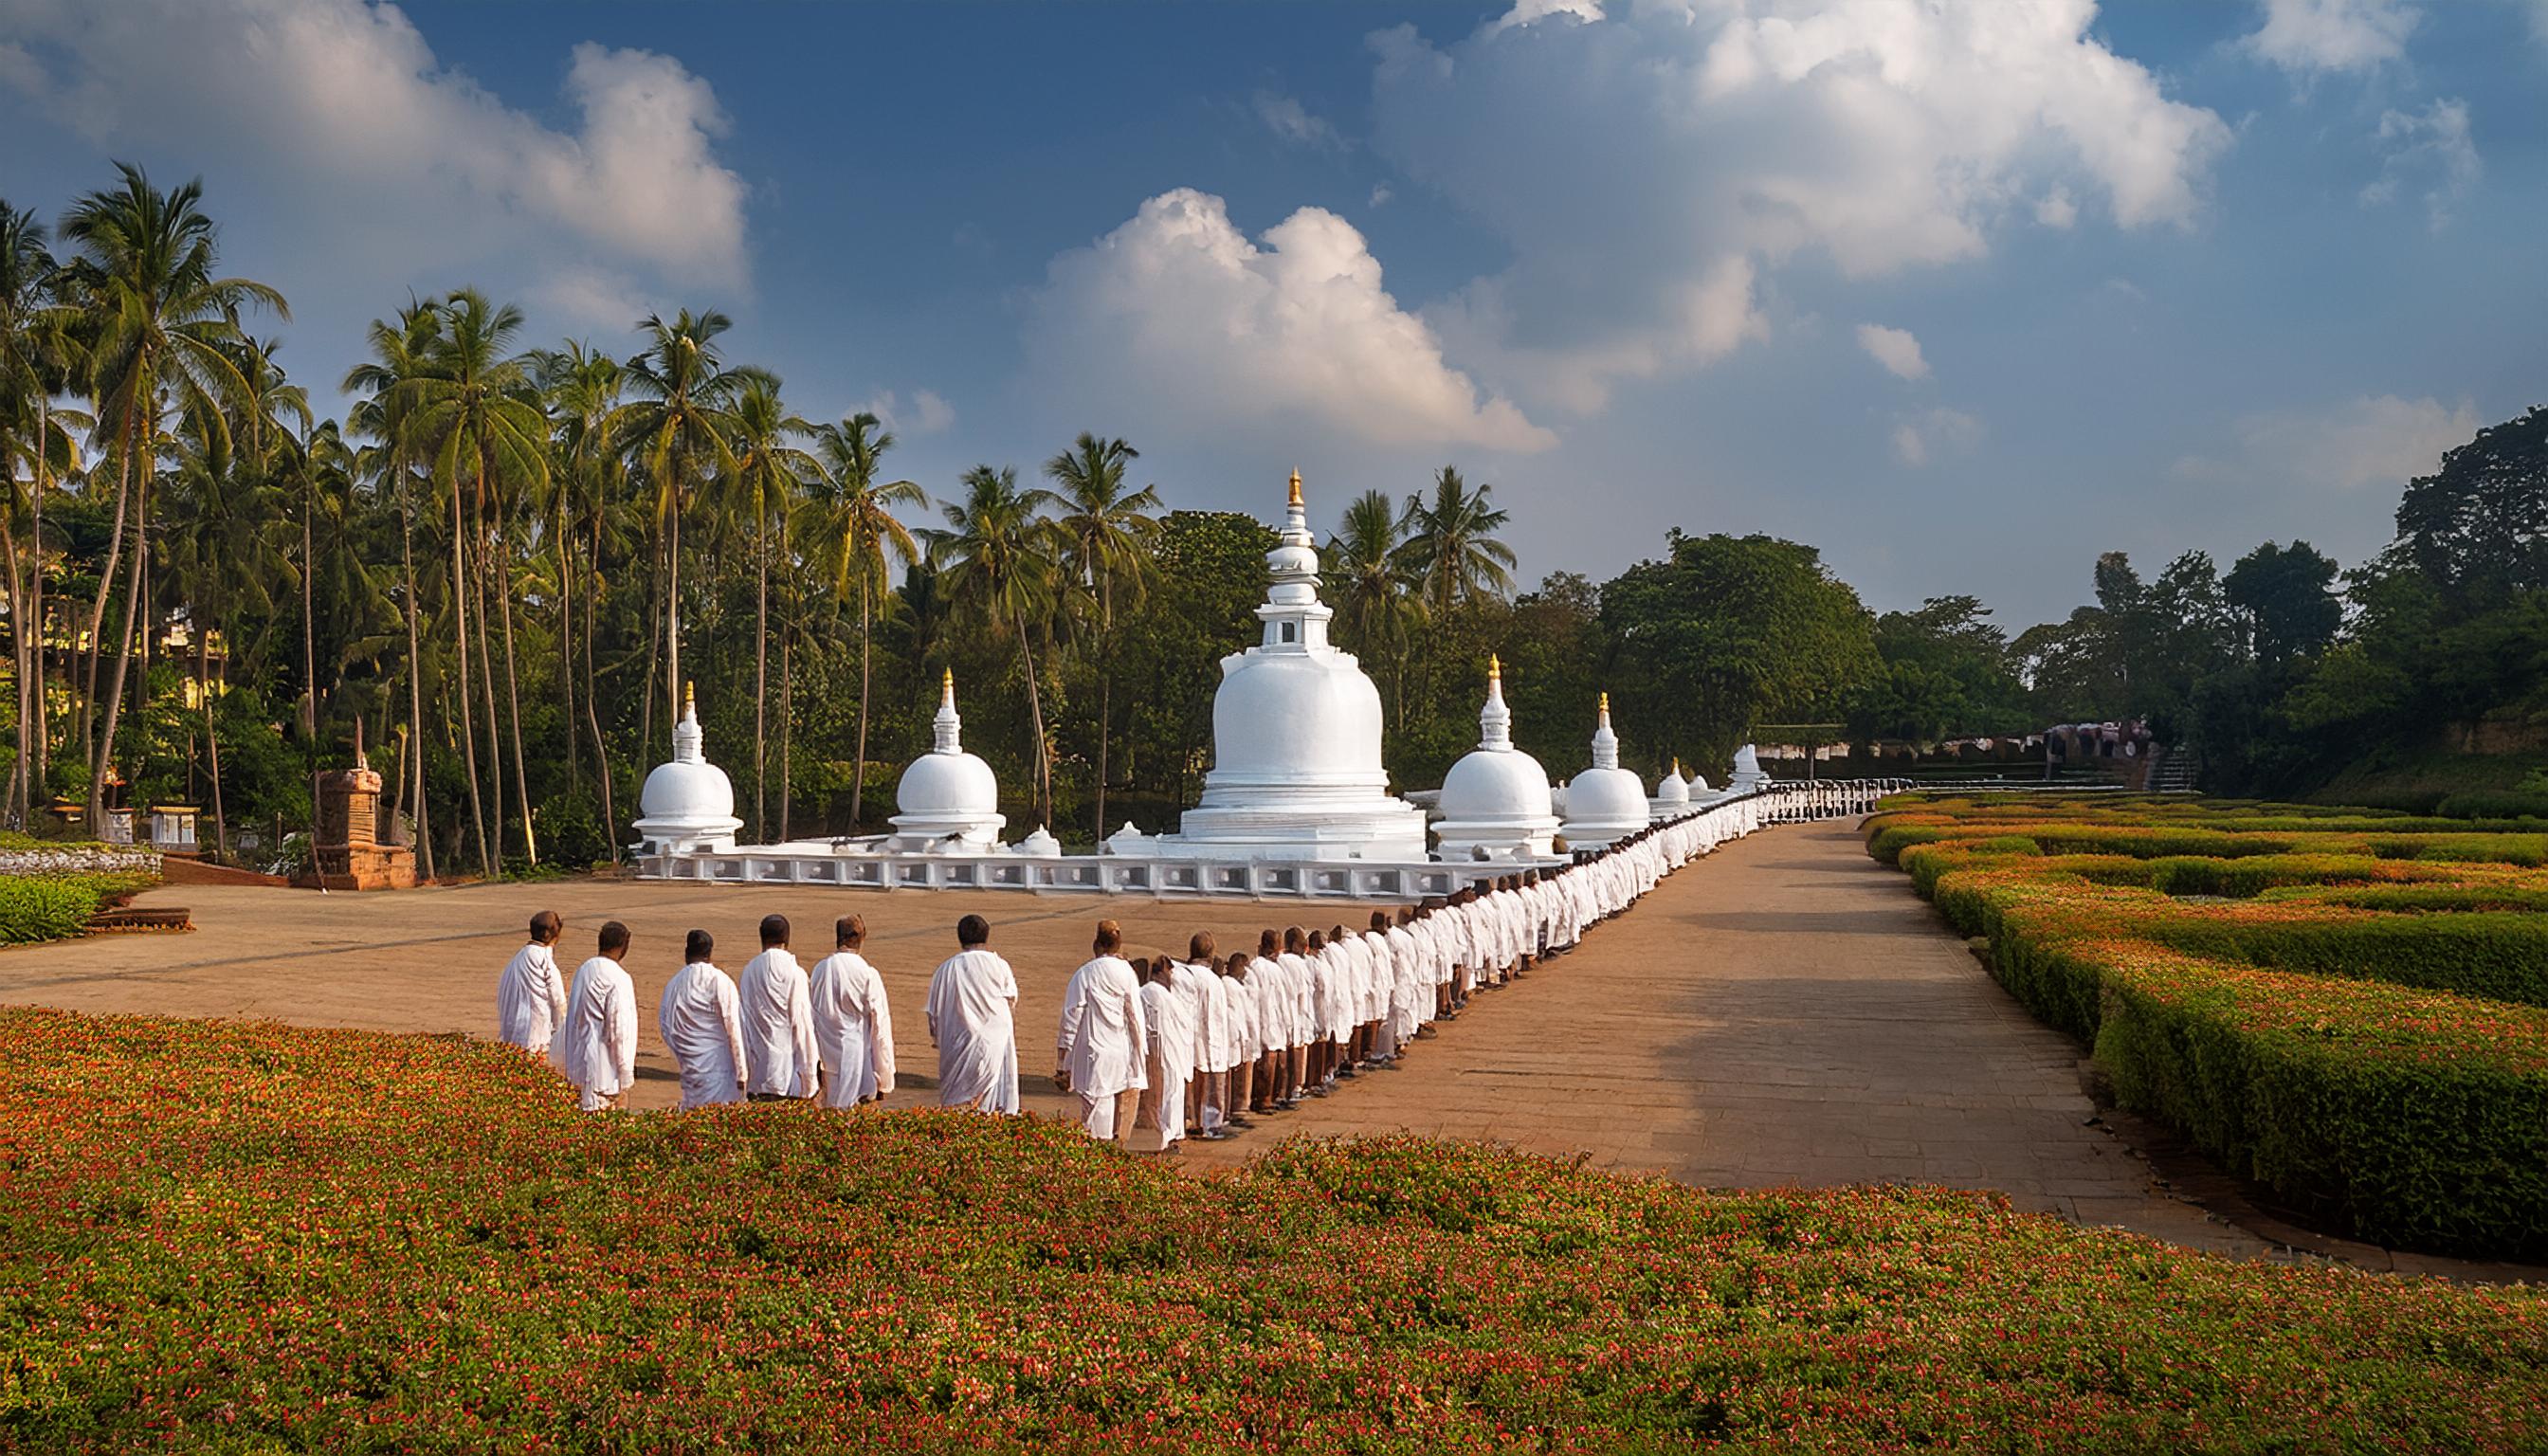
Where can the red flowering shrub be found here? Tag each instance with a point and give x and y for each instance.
(240, 1237)
(2354, 1019)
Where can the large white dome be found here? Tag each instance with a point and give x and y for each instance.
(1604, 804)
(1495, 800)
(1604, 795)
(1296, 769)
(679, 790)
(688, 803)
(949, 798)
(948, 783)
(1506, 785)
(1293, 718)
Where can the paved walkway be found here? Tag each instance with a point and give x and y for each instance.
(1783, 1012)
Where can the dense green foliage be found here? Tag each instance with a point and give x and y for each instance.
(216, 1235)
(55, 907)
(2350, 1009)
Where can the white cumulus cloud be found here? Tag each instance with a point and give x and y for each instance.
(1179, 313)
(2311, 35)
(1897, 349)
(1288, 118)
(343, 105)
(926, 412)
(1919, 437)
(2430, 149)
(1651, 173)
(2373, 440)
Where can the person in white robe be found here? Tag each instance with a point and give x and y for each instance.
(530, 995)
(595, 1044)
(1171, 1053)
(1244, 1047)
(701, 1023)
(1099, 1053)
(1302, 984)
(1410, 1002)
(972, 1019)
(778, 1019)
(1198, 984)
(852, 1025)
(1265, 977)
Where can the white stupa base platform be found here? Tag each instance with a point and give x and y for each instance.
(1375, 828)
(1501, 841)
(870, 864)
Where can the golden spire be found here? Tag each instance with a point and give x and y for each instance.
(1295, 488)
(1605, 704)
(1676, 766)
(689, 696)
(947, 685)
(1495, 668)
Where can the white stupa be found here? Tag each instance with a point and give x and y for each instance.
(950, 798)
(1604, 804)
(687, 804)
(1747, 772)
(1496, 802)
(1671, 795)
(1296, 737)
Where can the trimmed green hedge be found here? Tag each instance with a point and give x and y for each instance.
(2388, 1111)
(52, 907)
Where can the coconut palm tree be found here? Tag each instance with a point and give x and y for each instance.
(1108, 531)
(398, 353)
(769, 473)
(580, 386)
(995, 559)
(677, 430)
(1452, 538)
(39, 349)
(476, 418)
(850, 519)
(1372, 581)
(160, 320)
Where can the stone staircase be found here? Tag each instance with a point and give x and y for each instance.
(2173, 770)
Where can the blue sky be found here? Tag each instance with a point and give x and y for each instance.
(1962, 295)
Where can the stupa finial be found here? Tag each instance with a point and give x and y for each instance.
(947, 685)
(1605, 704)
(1494, 667)
(1296, 489)
(689, 698)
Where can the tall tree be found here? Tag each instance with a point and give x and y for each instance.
(1372, 579)
(38, 346)
(769, 473)
(677, 430)
(2286, 601)
(995, 556)
(1452, 536)
(581, 386)
(162, 321)
(856, 530)
(475, 417)
(1110, 531)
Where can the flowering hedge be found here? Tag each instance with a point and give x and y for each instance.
(240, 1237)
(2354, 1019)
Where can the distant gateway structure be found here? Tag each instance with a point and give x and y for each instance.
(1296, 805)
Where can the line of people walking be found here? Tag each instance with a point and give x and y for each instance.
(1153, 1050)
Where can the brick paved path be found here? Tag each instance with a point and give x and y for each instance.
(1782, 1012)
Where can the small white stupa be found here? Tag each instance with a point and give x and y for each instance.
(1747, 772)
(687, 804)
(1604, 804)
(1496, 802)
(950, 798)
(1296, 771)
(1671, 795)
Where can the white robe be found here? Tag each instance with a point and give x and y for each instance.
(852, 1029)
(1225, 1032)
(1103, 1030)
(972, 1004)
(1302, 984)
(777, 1026)
(1411, 1000)
(530, 999)
(1171, 1058)
(596, 1045)
(699, 1020)
(1202, 1014)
